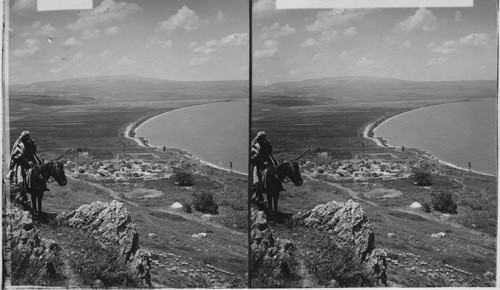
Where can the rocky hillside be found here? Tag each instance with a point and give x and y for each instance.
(333, 245)
(95, 245)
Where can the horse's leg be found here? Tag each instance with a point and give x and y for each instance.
(269, 200)
(275, 198)
(39, 199)
(33, 201)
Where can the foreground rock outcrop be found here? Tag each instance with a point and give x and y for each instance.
(33, 256)
(271, 258)
(111, 224)
(347, 224)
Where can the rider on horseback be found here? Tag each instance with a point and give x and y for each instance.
(22, 158)
(261, 157)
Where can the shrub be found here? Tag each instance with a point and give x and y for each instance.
(426, 207)
(443, 202)
(187, 208)
(183, 179)
(205, 203)
(422, 178)
(94, 262)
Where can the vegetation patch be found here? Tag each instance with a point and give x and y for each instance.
(443, 202)
(204, 202)
(183, 179)
(44, 272)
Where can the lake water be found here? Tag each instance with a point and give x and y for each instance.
(455, 133)
(216, 133)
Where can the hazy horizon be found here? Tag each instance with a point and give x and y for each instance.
(417, 44)
(182, 40)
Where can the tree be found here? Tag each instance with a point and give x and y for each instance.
(443, 202)
(422, 178)
(204, 202)
(183, 179)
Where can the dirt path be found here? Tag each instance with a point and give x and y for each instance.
(308, 279)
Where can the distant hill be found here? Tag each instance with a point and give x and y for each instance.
(371, 89)
(126, 88)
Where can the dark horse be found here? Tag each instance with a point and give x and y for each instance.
(37, 179)
(273, 179)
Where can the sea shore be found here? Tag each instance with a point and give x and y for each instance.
(130, 133)
(369, 133)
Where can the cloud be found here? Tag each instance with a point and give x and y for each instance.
(168, 44)
(271, 47)
(211, 46)
(37, 29)
(474, 39)
(365, 61)
(263, 8)
(327, 20)
(310, 43)
(24, 7)
(32, 47)
(112, 30)
(405, 45)
(437, 61)
(329, 35)
(423, 19)
(320, 57)
(91, 34)
(292, 60)
(127, 61)
(185, 19)
(54, 59)
(220, 17)
(275, 31)
(458, 17)
(450, 46)
(108, 11)
(346, 54)
(72, 41)
(351, 31)
(105, 54)
(55, 71)
(81, 56)
(199, 60)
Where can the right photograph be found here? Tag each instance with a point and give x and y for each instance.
(373, 151)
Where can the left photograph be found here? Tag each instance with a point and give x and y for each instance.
(125, 144)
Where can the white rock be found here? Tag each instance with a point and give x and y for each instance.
(415, 205)
(438, 235)
(391, 235)
(206, 217)
(151, 235)
(176, 205)
(200, 235)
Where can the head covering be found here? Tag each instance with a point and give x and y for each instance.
(23, 134)
(261, 133)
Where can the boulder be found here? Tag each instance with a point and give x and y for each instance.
(111, 224)
(176, 205)
(347, 224)
(200, 235)
(28, 247)
(269, 254)
(415, 205)
(391, 235)
(438, 235)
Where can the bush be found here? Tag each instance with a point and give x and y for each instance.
(205, 203)
(94, 262)
(426, 207)
(183, 179)
(422, 178)
(29, 271)
(443, 202)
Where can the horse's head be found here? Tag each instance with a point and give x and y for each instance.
(58, 173)
(293, 173)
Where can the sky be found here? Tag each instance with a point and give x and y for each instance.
(175, 40)
(421, 44)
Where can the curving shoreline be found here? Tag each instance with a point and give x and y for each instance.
(129, 133)
(369, 129)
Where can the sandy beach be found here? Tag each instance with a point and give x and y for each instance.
(144, 143)
(382, 143)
